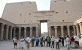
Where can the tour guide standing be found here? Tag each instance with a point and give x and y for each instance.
(68, 42)
(28, 42)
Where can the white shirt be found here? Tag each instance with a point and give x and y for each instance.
(28, 39)
(67, 40)
(13, 38)
(21, 40)
(57, 40)
(76, 38)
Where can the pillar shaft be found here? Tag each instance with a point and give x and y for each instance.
(81, 28)
(62, 31)
(24, 32)
(37, 32)
(74, 30)
(2, 30)
(7, 30)
(68, 30)
(10, 33)
(50, 31)
(56, 31)
(77, 30)
(30, 31)
(19, 32)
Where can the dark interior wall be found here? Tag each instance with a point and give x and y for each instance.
(52, 31)
(9, 33)
(28, 31)
(71, 31)
(34, 32)
(17, 33)
(59, 31)
(4, 32)
(65, 31)
(22, 31)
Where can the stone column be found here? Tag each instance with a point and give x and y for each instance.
(56, 31)
(77, 28)
(7, 31)
(81, 29)
(49, 31)
(10, 33)
(30, 31)
(74, 31)
(14, 31)
(2, 30)
(19, 32)
(24, 32)
(62, 31)
(68, 30)
(37, 32)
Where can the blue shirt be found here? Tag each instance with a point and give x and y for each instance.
(37, 39)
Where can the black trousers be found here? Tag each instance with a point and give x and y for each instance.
(32, 44)
(49, 43)
(52, 44)
(77, 42)
(62, 43)
(37, 44)
(57, 45)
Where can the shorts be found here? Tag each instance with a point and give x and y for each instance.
(15, 43)
(68, 46)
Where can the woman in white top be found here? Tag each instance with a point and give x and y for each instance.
(15, 43)
(22, 42)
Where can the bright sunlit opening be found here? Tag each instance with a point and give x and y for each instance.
(44, 27)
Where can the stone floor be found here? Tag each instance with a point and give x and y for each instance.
(8, 45)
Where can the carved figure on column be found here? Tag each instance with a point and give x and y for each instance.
(37, 34)
(30, 31)
(56, 35)
(19, 32)
(68, 30)
(62, 31)
(49, 31)
(24, 32)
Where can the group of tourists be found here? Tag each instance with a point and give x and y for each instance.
(47, 41)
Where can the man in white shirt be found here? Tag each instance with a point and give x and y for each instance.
(28, 42)
(76, 41)
(57, 42)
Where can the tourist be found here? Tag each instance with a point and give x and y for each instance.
(22, 42)
(33, 41)
(13, 39)
(41, 42)
(72, 41)
(19, 44)
(52, 42)
(76, 41)
(15, 43)
(49, 41)
(62, 41)
(28, 42)
(44, 41)
(68, 42)
(37, 41)
(57, 42)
